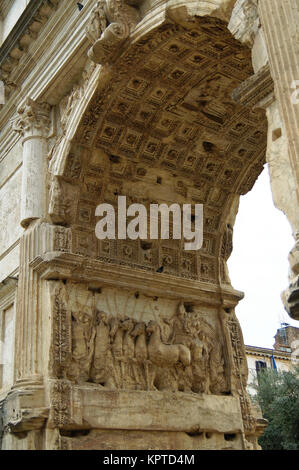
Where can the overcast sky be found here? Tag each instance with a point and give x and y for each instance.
(259, 264)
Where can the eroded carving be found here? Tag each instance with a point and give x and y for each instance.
(62, 336)
(240, 371)
(110, 24)
(60, 403)
(164, 129)
(180, 352)
(33, 119)
(83, 334)
(245, 21)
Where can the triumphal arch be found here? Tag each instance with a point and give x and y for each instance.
(134, 344)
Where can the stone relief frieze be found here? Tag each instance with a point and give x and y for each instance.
(122, 348)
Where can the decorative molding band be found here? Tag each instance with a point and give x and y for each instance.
(20, 28)
(39, 75)
(266, 353)
(12, 49)
(7, 291)
(253, 90)
(12, 247)
(55, 265)
(74, 406)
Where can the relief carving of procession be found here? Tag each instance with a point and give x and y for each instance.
(178, 353)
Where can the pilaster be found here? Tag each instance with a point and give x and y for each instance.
(280, 22)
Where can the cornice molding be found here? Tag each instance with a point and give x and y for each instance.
(38, 69)
(255, 89)
(55, 265)
(7, 291)
(264, 352)
(20, 28)
(35, 15)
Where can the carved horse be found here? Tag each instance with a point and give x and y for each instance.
(165, 355)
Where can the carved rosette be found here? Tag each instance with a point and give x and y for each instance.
(33, 120)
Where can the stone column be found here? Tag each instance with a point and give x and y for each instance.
(33, 124)
(280, 23)
(270, 28)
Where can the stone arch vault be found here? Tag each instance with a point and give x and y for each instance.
(170, 108)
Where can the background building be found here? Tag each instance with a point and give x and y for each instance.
(284, 354)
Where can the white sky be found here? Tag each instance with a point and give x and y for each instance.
(259, 264)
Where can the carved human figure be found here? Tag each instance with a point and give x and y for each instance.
(141, 355)
(83, 334)
(97, 23)
(216, 367)
(116, 338)
(102, 371)
(130, 373)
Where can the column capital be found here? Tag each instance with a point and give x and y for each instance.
(32, 120)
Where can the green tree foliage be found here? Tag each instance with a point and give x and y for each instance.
(277, 394)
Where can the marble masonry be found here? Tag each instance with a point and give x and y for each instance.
(134, 344)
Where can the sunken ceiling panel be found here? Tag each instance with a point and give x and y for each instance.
(165, 129)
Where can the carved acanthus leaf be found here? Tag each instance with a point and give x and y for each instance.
(33, 119)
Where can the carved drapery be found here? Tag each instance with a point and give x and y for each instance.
(179, 352)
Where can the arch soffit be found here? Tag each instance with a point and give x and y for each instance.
(164, 108)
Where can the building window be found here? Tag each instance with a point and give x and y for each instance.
(260, 365)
